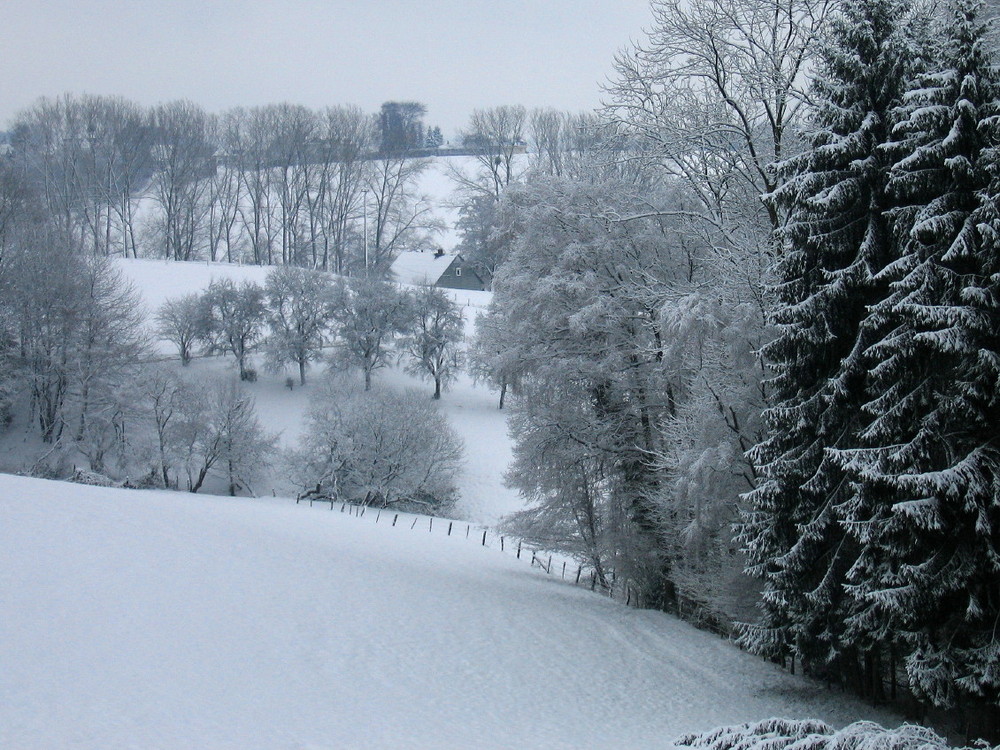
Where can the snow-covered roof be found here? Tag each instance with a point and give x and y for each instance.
(412, 267)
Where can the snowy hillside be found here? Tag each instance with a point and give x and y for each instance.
(165, 620)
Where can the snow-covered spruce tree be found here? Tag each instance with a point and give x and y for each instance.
(926, 479)
(836, 242)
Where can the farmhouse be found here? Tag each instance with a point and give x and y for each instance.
(436, 269)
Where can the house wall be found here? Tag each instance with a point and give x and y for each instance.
(469, 279)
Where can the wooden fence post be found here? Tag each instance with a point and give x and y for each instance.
(501, 544)
(449, 527)
(593, 580)
(484, 536)
(416, 518)
(564, 570)
(430, 524)
(395, 518)
(378, 515)
(578, 572)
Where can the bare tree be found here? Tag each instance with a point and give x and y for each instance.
(81, 155)
(713, 96)
(249, 133)
(184, 155)
(436, 330)
(232, 320)
(564, 144)
(495, 136)
(130, 167)
(396, 215)
(179, 321)
(348, 138)
(226, 193)
(299, 310)
(368, 314)
(290, 148)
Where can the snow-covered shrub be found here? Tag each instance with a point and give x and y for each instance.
(810, 734)
(92, 478)
(377, 448)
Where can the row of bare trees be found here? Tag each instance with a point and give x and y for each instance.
(272, 184)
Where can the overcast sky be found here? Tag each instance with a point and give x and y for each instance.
(452, 55)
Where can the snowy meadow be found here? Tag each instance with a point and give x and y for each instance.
(324, 428)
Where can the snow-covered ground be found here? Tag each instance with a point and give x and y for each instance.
(136, 619)
(471, 409)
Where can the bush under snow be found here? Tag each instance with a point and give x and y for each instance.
(811, 734)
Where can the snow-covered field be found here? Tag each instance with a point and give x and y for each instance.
(471, 409)
(136, 619)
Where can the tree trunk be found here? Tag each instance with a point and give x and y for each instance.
(302, 372)
(200, 480)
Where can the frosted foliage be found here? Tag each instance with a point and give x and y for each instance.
(377, 448)
(790, 734)
(715, 337)
(837, 239)
(577, 306)
(925, 475)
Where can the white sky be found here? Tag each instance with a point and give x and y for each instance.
(452, 55)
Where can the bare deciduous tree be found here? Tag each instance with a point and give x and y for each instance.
(713, 96)
(395, 214)
(299, 310)
(496, 136)
(436, 330)
(179, 321)
(184, 156)
(368, 314)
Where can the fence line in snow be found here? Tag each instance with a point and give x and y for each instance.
(551, 563)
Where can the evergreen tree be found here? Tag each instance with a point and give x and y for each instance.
(927, 477)
(835, 242)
